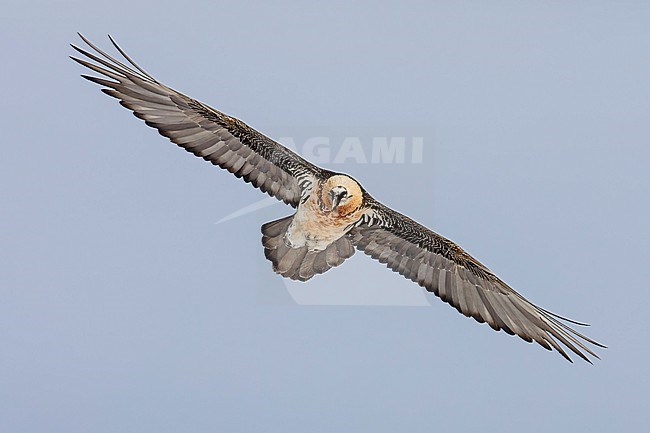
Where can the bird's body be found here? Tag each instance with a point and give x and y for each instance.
(315, 238)
(334, 215)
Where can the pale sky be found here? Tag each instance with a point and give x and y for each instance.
(124, 307)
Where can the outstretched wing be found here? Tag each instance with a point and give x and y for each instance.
(442, 267)
(201, 130)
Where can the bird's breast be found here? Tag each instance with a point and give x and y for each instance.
(316, 228)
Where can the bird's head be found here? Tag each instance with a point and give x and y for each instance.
(342, 194)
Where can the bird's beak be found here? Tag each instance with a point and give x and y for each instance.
(335, 199)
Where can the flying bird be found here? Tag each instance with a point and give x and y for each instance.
(334, 215)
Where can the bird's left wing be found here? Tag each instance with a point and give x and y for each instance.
(442, 267)
(202, 130)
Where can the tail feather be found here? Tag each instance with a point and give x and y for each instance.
(300, 263)
(320, 263)
(306, 269)
(291, 261)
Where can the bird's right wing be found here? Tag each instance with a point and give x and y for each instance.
(202, 130)
(442, 267)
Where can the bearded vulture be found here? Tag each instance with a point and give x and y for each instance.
(334, 214)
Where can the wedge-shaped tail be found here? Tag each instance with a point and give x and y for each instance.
(299, 263)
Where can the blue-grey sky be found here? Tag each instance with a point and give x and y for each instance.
(125, 308)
